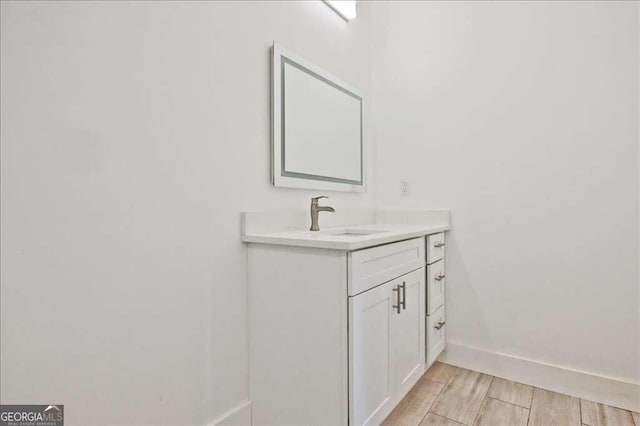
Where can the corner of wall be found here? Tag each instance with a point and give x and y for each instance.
(239, 416)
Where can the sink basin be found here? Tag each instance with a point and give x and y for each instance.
(354, 232)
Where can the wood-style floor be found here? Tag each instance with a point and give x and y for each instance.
(454, 396)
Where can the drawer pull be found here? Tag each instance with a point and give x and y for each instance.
(404, 295)
(439, 325)
(396, 289)
(439, 244)
(440, 277)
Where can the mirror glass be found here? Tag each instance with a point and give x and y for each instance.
(317, 127)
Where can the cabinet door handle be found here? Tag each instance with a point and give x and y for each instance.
(439, 325)
(439, 244)
(439, 277)
(396, 289)
(404, 295)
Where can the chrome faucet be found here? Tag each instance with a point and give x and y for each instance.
(315, 209)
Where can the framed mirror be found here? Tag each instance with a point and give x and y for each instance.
(317, 130)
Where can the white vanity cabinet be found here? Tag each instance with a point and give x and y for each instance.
(338, 336)
(386, 346)
(436, 279)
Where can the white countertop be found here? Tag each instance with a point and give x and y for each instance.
(330, 238)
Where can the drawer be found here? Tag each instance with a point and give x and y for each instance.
(435, 286)
(370, 267)
(436, 330)
(435, 247)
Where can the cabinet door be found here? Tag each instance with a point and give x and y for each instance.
(435, 286)
(435, 247)
(436, 331)
(371, 373)
(409, 332)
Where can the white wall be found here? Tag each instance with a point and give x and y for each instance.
(133, 134)
(522, 118)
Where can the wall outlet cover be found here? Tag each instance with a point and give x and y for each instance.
(405, 187)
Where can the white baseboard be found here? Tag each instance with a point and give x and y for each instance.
(580, 384)
(239, 416)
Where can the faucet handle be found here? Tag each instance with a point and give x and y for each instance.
(315, 199)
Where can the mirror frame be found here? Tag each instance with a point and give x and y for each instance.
(281, 177)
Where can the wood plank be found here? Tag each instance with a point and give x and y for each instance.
(441, 372)
(436, 420)
(554, 409)
(500, 413)
(462, 398)
(636, 417)
(595, 414)
(413, 407)
(511, 392)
